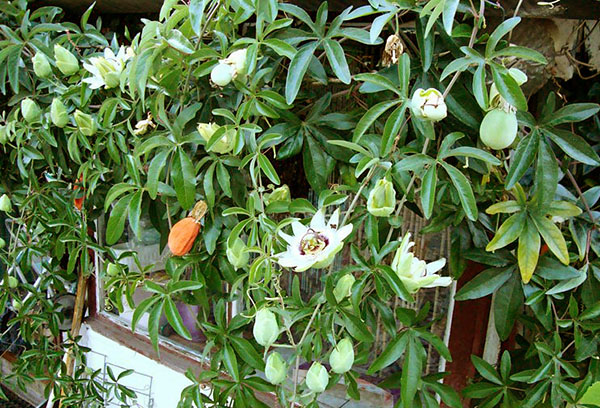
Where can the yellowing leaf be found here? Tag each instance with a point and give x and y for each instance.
(529, 250)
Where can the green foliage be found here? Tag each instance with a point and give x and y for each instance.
(118, 130)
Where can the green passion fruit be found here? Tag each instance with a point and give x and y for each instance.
(498, 129)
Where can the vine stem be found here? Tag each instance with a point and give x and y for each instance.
(446, 92)
(297, 364)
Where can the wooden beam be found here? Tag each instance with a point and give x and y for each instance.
(572, 9)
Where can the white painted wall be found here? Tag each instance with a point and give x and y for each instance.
(157, 386)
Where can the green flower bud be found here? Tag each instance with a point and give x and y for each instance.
(207, 130)
(85, 123)
(58, 113)
(41, 66)
(3, 134)
(237, 60)
(266, 329)
(12, 282)
(222, 74)
(429, 104)
(30, 110)
(2, 243)
(279, 194)
(65, 61)
(382, 199)
(317, 378)
(237, 254)
(112, 269)
(5, 204)
(496, 101)
(343, 288)
(17, 305)
(276, 369)
(342, 356)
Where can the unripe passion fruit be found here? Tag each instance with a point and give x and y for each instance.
(222, 74)
(498, 129)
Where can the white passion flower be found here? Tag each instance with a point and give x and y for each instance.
(415, 273)
(313, 245)
(429, 104)
(106, 70)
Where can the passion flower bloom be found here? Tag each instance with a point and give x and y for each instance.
(342, 356)
(382, 199)
(106, 70)
(275, 369)
(266, 329)
(317, 378)
(313, 245)
(429, 104)
(415, 273)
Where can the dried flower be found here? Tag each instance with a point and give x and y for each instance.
(392, 51)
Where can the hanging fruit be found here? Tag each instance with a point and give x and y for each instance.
(184, 232)
(498, 128)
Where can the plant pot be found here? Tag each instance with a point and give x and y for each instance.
(189, 315)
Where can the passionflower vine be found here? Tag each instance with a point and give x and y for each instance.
(415, 273)
(106, 70)
(313, 245)
(429, 104)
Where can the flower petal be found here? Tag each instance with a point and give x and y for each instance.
(318, 220)
(440, 281)
(435, 266)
